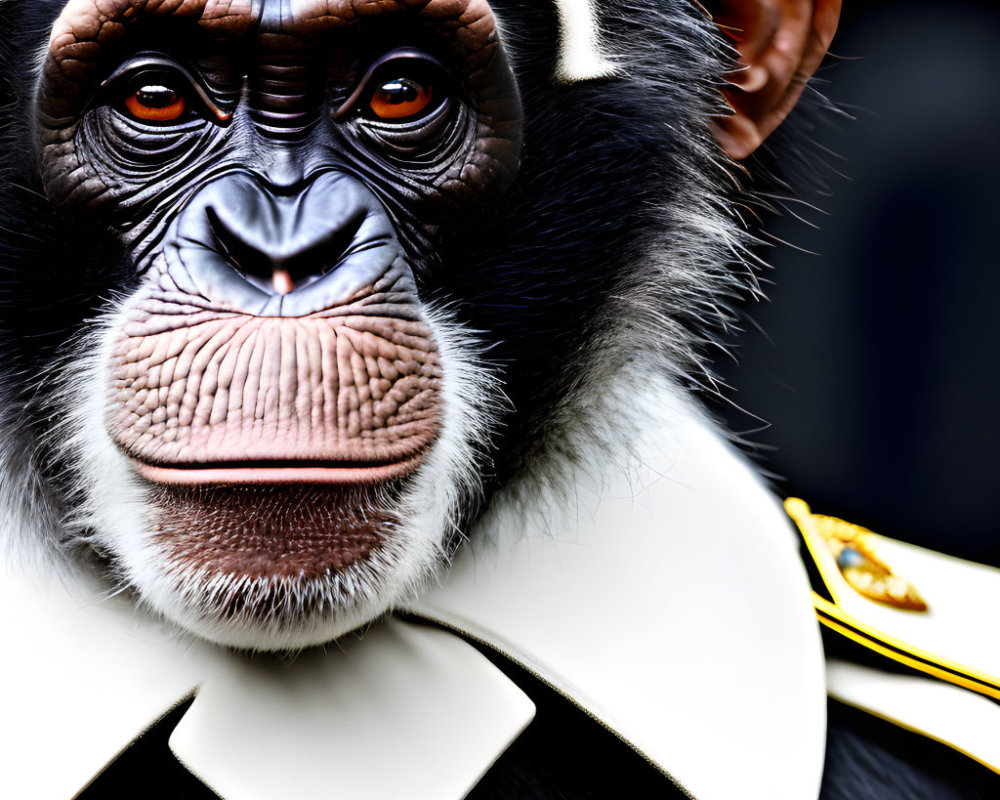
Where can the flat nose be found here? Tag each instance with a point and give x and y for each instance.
(269, 252)
(280, 243)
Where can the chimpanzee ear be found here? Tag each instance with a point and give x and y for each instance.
(781, 43)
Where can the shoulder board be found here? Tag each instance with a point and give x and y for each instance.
(910, 632)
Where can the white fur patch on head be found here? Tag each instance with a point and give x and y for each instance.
(580, 56)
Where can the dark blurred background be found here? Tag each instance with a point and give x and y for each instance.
(876, 362)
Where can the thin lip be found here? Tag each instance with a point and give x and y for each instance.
(192, 475)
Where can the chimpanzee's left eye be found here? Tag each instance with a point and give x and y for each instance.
(403, 86)
(401, 99)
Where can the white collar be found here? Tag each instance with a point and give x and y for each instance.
(669, 603)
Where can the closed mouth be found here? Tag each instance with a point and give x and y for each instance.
(276, 472)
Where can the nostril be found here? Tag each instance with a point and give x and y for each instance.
(287, 253)
(241, 245)
(250, 261)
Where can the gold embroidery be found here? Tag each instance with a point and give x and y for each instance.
(853, 549)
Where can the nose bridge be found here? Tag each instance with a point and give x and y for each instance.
(286, 86)
(285, 166)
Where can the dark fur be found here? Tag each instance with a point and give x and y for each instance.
(591, 260)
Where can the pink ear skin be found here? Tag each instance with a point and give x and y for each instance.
(781, 43)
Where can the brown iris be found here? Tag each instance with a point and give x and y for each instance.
(156, 103)
(401, 98)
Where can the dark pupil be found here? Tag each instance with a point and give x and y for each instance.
(156, 96)
(401, 91)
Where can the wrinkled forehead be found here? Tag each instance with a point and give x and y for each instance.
(86, 26)
(98, 23)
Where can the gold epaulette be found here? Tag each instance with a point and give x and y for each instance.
(898, 615)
